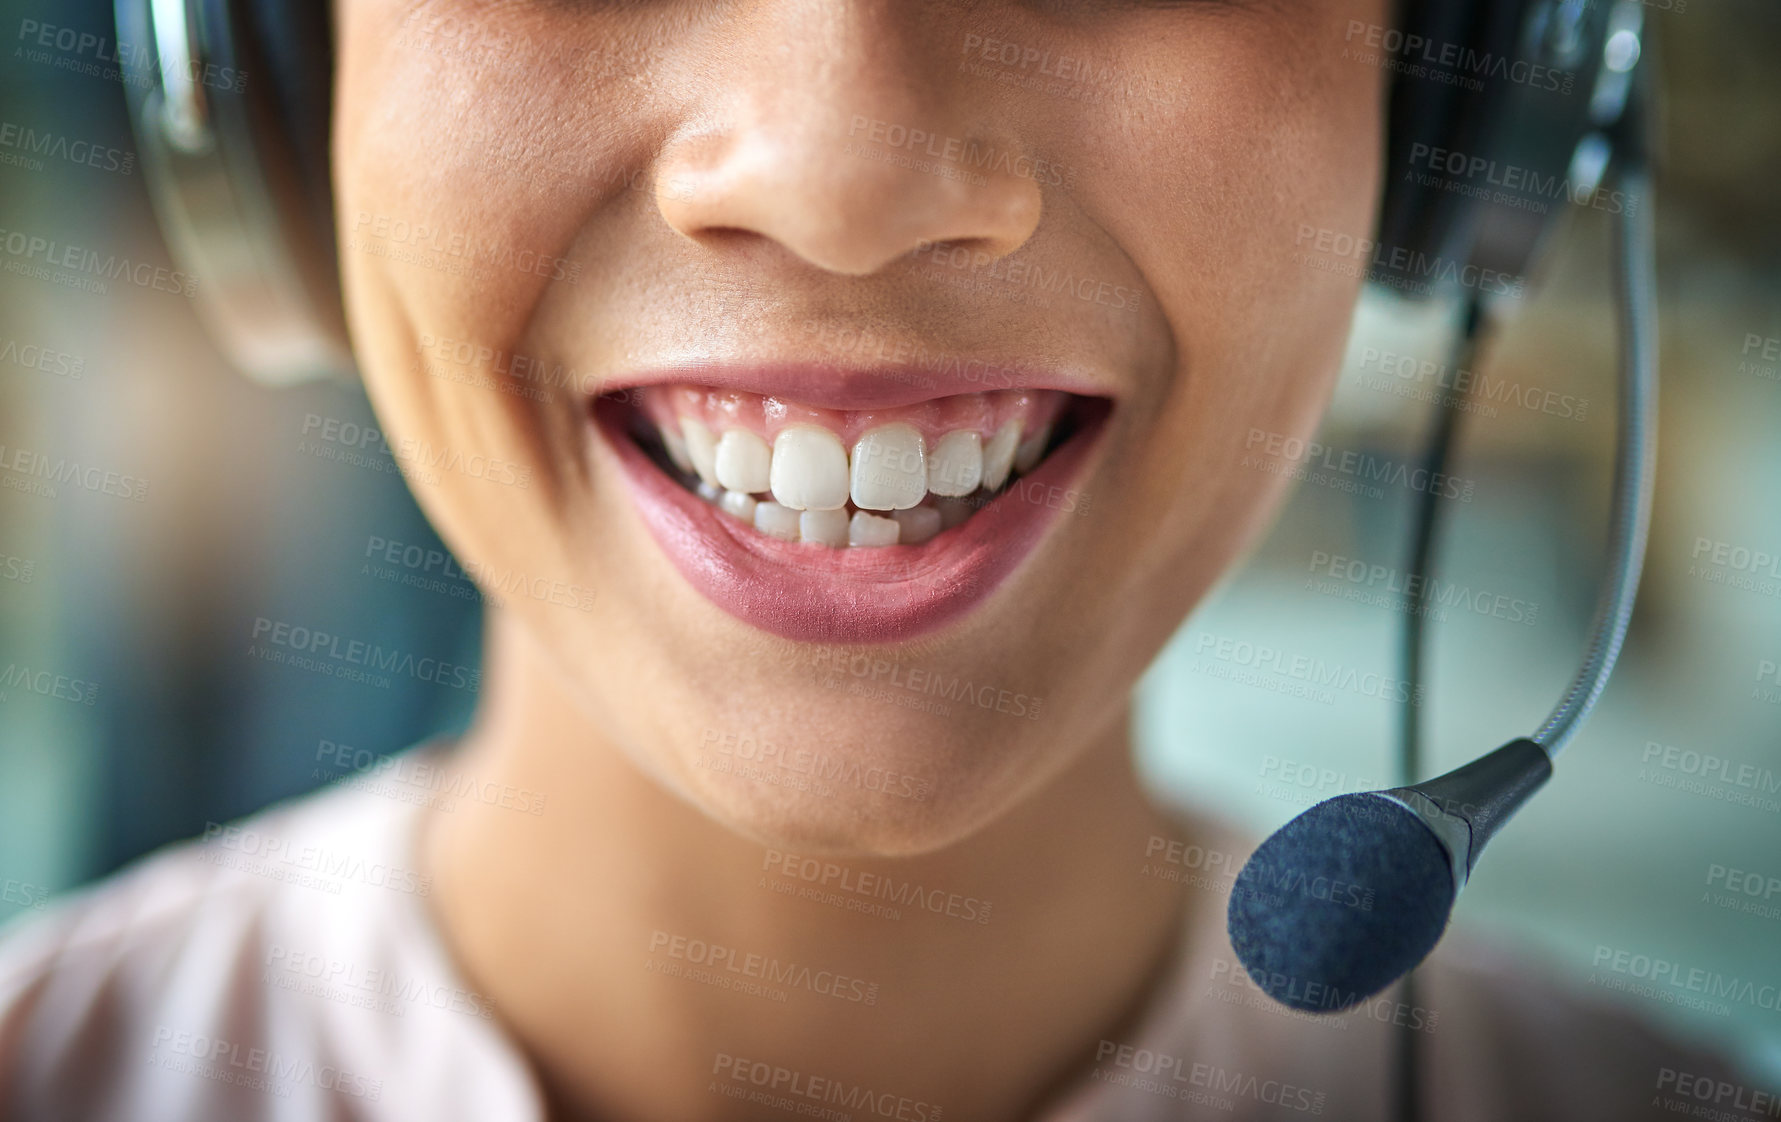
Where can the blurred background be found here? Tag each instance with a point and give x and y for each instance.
(133, 712)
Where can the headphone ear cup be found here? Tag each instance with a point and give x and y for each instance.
(230, 101)
(1417, 220)
(1427, 113)
(1504, 90)
(292, 43)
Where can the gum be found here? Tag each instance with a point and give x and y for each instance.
(766, 416)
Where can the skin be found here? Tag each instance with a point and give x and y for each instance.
(684, 169)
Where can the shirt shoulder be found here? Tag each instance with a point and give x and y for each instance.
(1573, 1053)
(282, 966)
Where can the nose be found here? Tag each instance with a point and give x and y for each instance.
(848, 146)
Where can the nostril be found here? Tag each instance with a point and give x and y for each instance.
(839, 211)
(723, 237)
(983, 250)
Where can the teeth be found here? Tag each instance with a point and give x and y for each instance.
(811, 477)
(917, 524)
(809, 469)
(701, 448)
(776, 521)
(956, 467)
(676, 445)
(825, 527)
(889, 468)
(737, 504)
(742, 462)
(998, 458)
(953, 511)
(1030, 449)
(869, 529)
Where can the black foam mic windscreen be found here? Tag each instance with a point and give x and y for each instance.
(1352, 894)
(1341, 902)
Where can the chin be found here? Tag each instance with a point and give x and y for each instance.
(869, 781)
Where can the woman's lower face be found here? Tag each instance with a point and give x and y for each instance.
(849, 399)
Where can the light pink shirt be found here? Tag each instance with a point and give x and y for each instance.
(288, 968)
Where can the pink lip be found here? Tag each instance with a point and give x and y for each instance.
(862, 388)
(811, 593)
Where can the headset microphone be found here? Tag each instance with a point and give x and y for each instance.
(1352, 894)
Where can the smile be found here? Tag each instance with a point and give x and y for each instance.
(846, 509)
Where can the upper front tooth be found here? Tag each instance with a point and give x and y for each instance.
(998, 458)
(889, 468)
(742, 462)
(956, 467)
(809, 469)
(701, 448)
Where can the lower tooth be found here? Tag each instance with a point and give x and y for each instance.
(952, 512)
(739, 505)
(776, 521)
(871, 530)
(824, 527)
(835, 528)
(917, 524)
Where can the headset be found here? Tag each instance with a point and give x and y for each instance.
(238, 174)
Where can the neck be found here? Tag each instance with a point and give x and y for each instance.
(640, 952)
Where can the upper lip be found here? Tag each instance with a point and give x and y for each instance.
(885, 386)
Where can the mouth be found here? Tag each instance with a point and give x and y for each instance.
(859, 510)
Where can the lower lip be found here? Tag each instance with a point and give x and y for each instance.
(818, 594)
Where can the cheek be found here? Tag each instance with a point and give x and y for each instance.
(1269, 136)
(455, 213)
(466, 245)
(461, 206)
(1213, 191)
